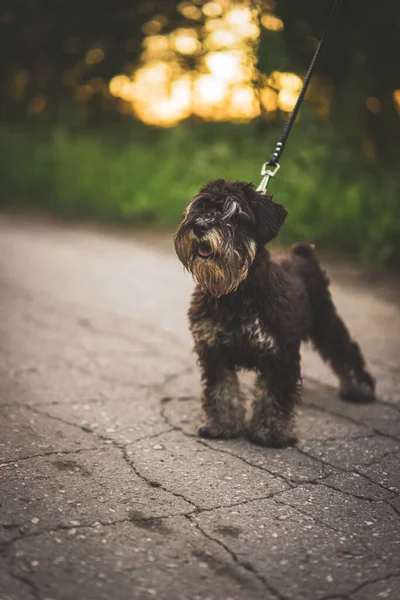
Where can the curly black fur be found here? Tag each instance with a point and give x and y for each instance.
(250, 310)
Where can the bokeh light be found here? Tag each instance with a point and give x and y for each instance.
(272, 23)
(209, 71)
(396, 98)
(94, 56)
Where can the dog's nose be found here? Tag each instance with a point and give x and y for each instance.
(200, 227)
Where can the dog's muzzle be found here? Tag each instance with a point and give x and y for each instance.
(212, 259)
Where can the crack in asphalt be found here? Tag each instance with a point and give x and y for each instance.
(332, 486)
(324, 524)
(244, 565)
(62, 527)
(44, 454)
(156, 484)
(245, 461)
(26, 581)
(376, 461)
(361, 586)
(361, 474)
(355, 471)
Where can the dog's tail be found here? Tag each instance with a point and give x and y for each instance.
(309, 266)
(305, 250)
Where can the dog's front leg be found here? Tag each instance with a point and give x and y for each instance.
(276, 394)
(223, 401)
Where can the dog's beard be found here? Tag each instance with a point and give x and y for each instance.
(226, 267)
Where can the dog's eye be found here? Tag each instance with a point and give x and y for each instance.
(243, 217)
(207, 205)
(233, 210)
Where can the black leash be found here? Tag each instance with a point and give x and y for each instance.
(270, 168)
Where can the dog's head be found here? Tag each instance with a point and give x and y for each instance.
(223, 228)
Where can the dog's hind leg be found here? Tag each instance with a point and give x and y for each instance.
(222, 401)
(332, 340)
(330, 335)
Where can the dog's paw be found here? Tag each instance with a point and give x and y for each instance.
(215, 430)
(272, 439)
(355, 391)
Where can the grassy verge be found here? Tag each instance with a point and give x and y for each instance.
(333, 198)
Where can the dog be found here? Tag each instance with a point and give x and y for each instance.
(251, 310)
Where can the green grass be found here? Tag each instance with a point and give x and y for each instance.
(334, 198)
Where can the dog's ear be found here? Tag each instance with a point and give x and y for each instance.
(269, 217)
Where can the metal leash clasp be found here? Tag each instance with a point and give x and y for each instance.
(267, 171)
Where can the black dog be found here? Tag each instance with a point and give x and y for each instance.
(252, 311)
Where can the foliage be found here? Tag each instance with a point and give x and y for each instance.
(148, 175)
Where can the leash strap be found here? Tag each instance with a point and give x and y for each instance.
(270, 168)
